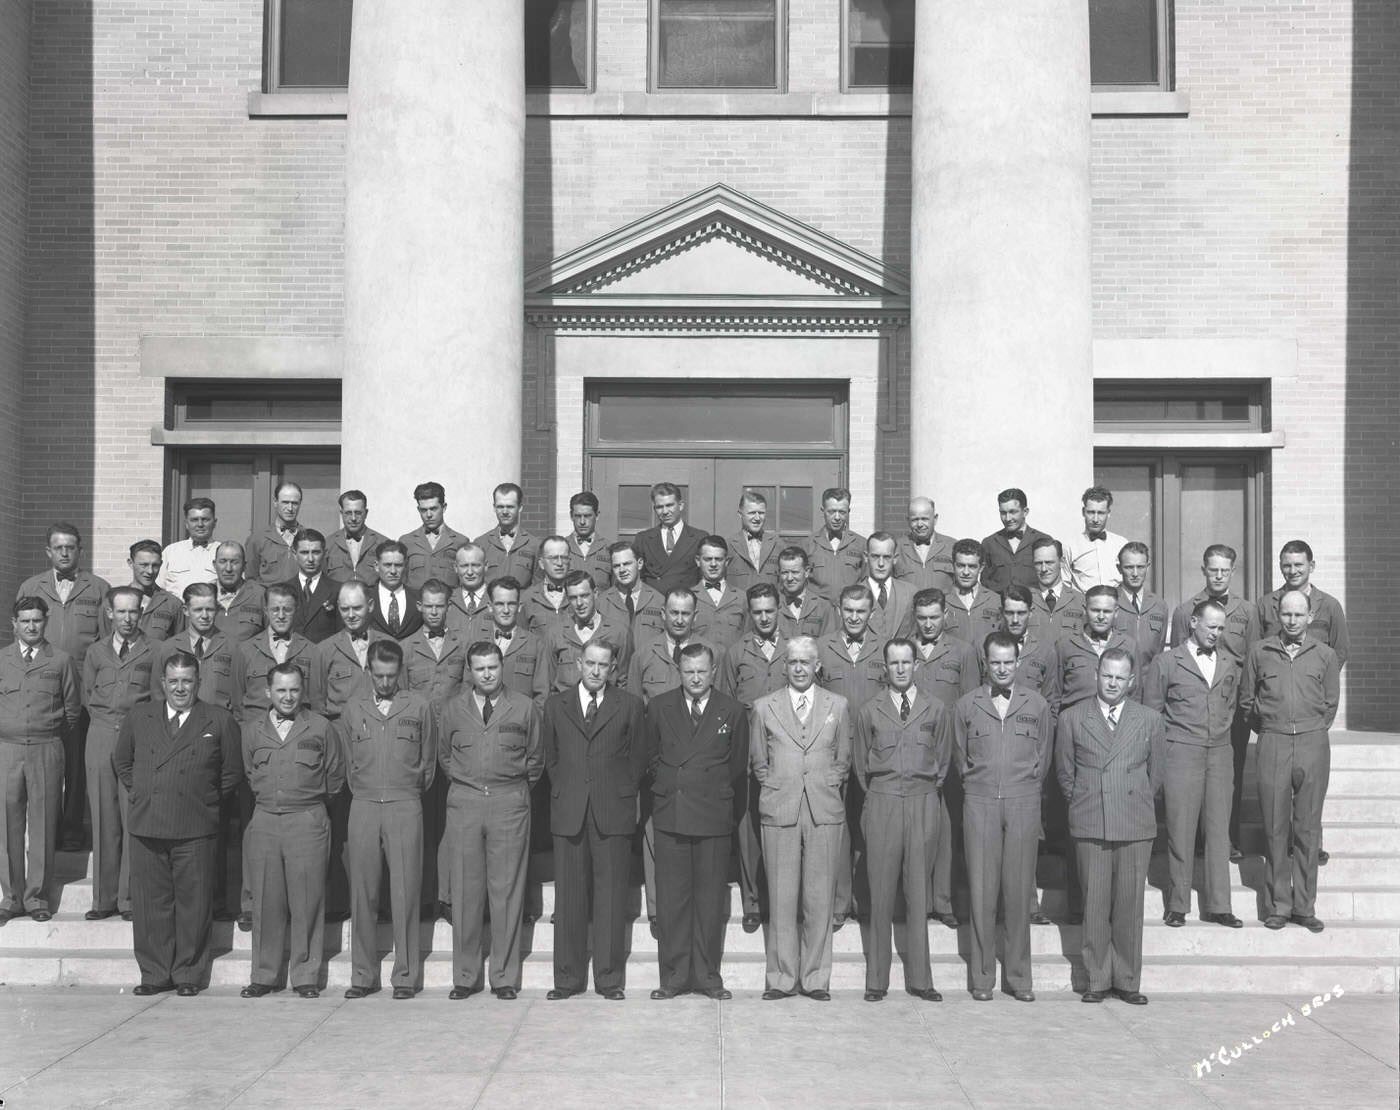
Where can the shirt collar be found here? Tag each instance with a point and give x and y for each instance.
(584, 694)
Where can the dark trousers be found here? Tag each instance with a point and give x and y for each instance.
(1115, 881)
(1239, 742)
(1197, 793)
(852, 882)
(172, 908)
(692, 909)
(1293, 774)
(748, 846)
(337, 895)
(949, 855)
(235, 811)
(1001, 835)
(591, 873)
(74, 779)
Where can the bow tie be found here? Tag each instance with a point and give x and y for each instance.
(286, 528)
(765, 639)
(1208, 652)
(282, 636)
(1019, 534)
(68, 576)
(1094, 536)
(1097, 639)
(554, 588)
(830, 535)
(356, 536)
(924, 640)
(200, 543)
(357, 636)
(285, 716)
(858, 641)
(434, 634)
(507, 535)
(1001, 691)
(431, 531)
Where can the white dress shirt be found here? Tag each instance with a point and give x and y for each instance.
(183, 563)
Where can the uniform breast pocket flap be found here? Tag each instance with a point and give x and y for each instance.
(309, 757)
(262, 757)
(410, 730)
(947, 672)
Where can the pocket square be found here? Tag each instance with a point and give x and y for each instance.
(723, 729)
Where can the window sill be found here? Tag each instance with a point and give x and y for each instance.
(287, 435)
(1146, 103)
(292, 105)
(1186, 441)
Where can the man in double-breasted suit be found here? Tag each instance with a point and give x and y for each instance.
(1007, 554)
(1196, 689)
(177, 757)
(316, 617)
(1110, 759)
(595, 754)
(668, 551)
(800, 753)
(698, 756)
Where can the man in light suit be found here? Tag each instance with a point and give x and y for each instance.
(595, 754)
(698, 756)
(753, 549)
(176, 756)
(1110, 759)
(668, 551)
(800, 753)
(903, 742)
(1197, 690)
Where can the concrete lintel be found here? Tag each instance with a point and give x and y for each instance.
(1186, 441)
(228, 356)
(298, 436)
(1149, 359)
(327, 105)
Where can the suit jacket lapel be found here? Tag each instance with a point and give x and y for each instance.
(1119, 737)
(606, 712)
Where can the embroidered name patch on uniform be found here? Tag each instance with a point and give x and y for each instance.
(1022, 719)
(513, 726)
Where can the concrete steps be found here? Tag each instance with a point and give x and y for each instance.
(1358, 898)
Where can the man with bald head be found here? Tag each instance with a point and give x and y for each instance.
(925, 557)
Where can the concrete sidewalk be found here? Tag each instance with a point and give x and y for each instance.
(86, 1048)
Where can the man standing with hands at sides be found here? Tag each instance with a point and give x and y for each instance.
(751, 668)
(629, 602)
(1292, 684)
(835, 554)
(544, 605)
(753, 549)
(191, 559)
(491, 752)
(698, 755)
(1240, 633)
(1091, 557)
(1328, 623)
(40, 703)
(388, 744)
(801, 610)
(350, 549)
(1197, 692)
(588, 549)
(269, 549)
(116, 676)
(721, 611)
(1057, 609)
(510, 549)
(432, 546)
(1007, 554)
(394, 609)
(800, 752)
(316, 591)
(73, 601)
(925, 557)
(160, 611)
(1110, 761)
(594, 740)
(242, 603)
(293, 763)
(1004, 738)
(973, 610)
(470, 608)
(668, 551)
(903, 741)
(1035, 658)
(1141, 615)
(176, 756)
(893, 613)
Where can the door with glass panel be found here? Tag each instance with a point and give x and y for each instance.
(242, 484)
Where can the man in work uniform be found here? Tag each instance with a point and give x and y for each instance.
(973, 610)
(510, 549)
(835, 554)
(350, 549)
(242, 602)
(160, 610)
(801, 610)
(629, 601)
(925, 557)
(1007, 555)
(269, 550)
(754, 548)
(432, 546)
(588, 550)
(1141, 615)
(721, 610)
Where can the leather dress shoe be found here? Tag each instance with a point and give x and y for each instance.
(874, 996)
(980, 995)
(403, 994)
(1132, 998)
(615, 994)
(186, 990)
(1235, 854)
(664, 994)
(444, 909)
(359, 992)
(127, 915)
(1308, 922)
(41, 915)
(1229, 920)
(1023, 996)
(949, 919)
(1039, 917)
(145, 989)
(99, 915)
(771, 995)
(837, 921)
(752, 923)
(459, 993)
(1322, 857)
(719, 994)
(818, 995)
(928, 994)
(505, 994)
(255, 990)
(1093, 996)
(559, 992)
(308, 992)
(245, 922)
(1175, 918)
(1275, 921)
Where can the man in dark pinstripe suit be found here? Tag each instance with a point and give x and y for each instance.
(1110, 758)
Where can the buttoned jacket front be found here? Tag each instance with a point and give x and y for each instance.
(301, 772)
(902, 758)
(1110, 777)
(797, 762)
(505, 753)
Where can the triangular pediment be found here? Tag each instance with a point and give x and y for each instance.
(717, 243)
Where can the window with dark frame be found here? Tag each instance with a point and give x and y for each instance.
(879, 44)
(308, 45)
(1130, 45)
(558, 44)
(717, 44)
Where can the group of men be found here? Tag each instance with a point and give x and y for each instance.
(839, 713)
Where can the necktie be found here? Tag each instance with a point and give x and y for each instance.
(199, 647)
(306, 589)
(904, 707)
(592, 710)
(29, 655)
(755, 547)
(394, 612)
(1050, 600)
(670, 539)
(696, 712)
(125, 649)
(802, 708)
(486, 712)
(631, 608)
(1113, 719)
(768, 647)
(676, 655)
(172, 723)
(883, 597)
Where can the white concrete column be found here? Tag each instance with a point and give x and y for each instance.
(434, 309)
(1002, 370)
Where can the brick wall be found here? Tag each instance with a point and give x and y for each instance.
(14, 159)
